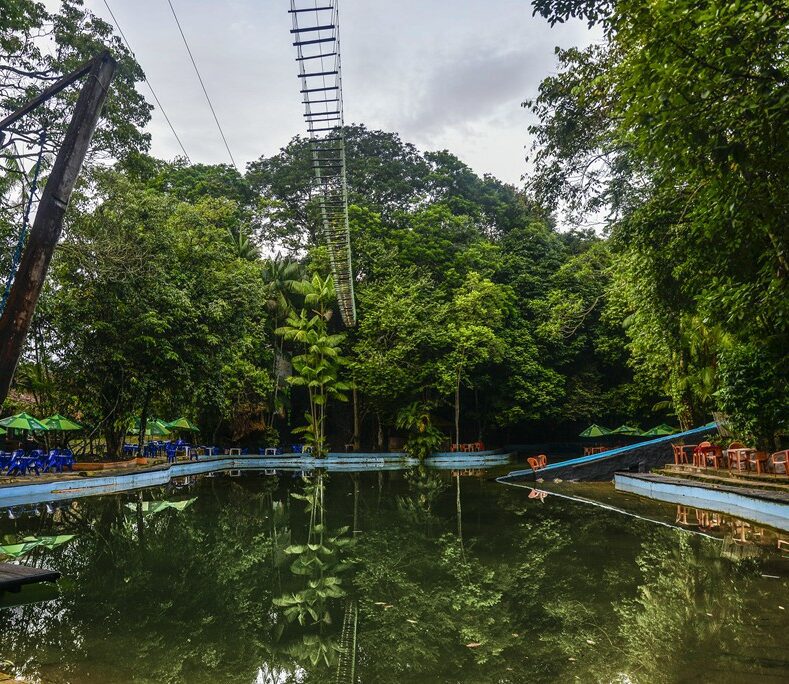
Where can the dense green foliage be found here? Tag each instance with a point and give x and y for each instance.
(676, 125)
(38, 46)
(173, 280)
(469, 299)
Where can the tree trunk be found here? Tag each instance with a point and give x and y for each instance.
(457, 409)
(143, 422)
(356, 431)
(113, 439)
(380, 436)
(479, 415)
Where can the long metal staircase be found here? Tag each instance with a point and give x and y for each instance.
(316, 34)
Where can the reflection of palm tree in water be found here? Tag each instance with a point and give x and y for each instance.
(317, 565)
(427, 485)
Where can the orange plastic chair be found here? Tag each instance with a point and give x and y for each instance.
(538, 462)
(700, 454)
(711, 454)
(780, 458)
(759, 460)
(738, 459)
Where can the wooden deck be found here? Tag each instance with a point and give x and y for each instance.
(12, 577)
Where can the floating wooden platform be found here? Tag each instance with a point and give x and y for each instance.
(13, 577)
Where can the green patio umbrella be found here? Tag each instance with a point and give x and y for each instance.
(17, 550)
(58, 423)
(182, 424)
(23, 421)
(627, 430)
(154, 427)
(151, 507)
(660, 431)
(20, 547)
(595, 430)
(3, 431)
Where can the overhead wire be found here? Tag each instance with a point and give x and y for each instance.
(147, 82)
(202, 85)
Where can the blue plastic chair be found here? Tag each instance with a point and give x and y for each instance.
(21, 464)
(13, 457)
(297, 448)
(52, 461)
(66, 459)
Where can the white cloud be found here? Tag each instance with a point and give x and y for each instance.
(442, 73)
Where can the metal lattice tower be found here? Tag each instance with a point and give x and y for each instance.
(316, 31)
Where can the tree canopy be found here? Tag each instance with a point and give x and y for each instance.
(486, 302)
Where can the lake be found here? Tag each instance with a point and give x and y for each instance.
(399, 576)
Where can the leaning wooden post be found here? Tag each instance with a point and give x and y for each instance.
(48, 225)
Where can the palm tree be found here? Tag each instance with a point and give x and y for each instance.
(317, 368)
(245, 248)
(281, 276)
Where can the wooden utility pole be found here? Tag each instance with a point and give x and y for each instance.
(48, 224)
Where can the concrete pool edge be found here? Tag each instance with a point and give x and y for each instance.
(35, 492)
(765, 507)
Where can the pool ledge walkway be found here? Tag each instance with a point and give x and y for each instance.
(57, 487)
(759, 505)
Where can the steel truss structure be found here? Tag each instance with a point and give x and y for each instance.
(316, 34)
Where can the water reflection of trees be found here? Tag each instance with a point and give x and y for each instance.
(251, 579)
(192, 601)
(318, 566)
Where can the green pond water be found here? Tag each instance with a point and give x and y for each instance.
(417, 576)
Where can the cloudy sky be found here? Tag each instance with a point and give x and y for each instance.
(442, 73)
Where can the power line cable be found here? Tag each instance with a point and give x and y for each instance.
(202, 85)
(147, 82)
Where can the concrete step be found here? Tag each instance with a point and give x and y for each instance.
(766, 481)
